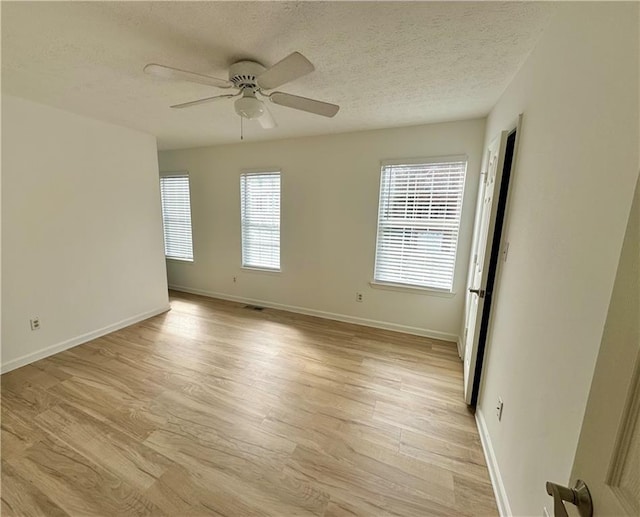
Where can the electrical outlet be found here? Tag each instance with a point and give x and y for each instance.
(499, 408)
(358, 297)
(35, 323)
(234, 279)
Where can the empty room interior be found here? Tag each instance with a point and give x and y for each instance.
(320, 258)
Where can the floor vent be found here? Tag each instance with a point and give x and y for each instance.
(254, 307)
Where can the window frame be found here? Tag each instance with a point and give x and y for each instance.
(177, 174)
(265, 171)
(408, 287)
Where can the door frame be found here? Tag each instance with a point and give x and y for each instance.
(499, 251)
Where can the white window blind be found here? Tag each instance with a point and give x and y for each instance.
(418, 223)
(260, 214)
(176, 216)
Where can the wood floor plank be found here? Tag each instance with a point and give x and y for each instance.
(20, 497)
(473, 494)
(103, 444)
(374, 493)
(32, 375)
(216, 409)
(429, 422)
(28, 401)
(235, 468)
(445, 453)
(464, 452)
(77, 485)
(126, 411)
(17, 433)
(179, 492)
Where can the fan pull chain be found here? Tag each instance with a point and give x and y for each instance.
(241, 129)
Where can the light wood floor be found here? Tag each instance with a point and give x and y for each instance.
(215, 409)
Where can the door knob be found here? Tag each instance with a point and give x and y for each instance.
(479, 292)
(578, 496)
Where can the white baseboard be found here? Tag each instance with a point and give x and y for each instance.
(494, 471)
(78, 340)
(434, 334)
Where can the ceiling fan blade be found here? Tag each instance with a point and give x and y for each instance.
(302, 103)
(266, 120)
(203, 101)
(168, 72)
(291, 67)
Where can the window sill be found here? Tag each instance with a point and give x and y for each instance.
(253, 269)
(411, 289)
(180, 260)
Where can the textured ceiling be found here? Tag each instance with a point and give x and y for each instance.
(385, 63)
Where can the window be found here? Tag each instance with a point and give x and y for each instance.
(176, 216)
(418, 223)
(260, 215)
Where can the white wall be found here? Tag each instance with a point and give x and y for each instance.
(329, 212)
(82, 244)
(572, 192)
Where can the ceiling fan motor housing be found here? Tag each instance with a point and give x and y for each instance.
(243, 74)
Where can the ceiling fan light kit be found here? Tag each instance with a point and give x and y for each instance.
(251, 78)
(249, 107)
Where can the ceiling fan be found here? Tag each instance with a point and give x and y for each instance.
(252, 79)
